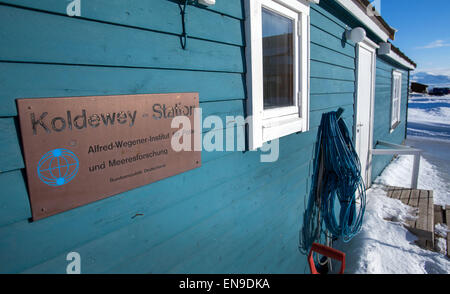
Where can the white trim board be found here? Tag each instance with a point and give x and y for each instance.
(264, 124)
(370, 43)
(370, 46)
(298, 5)
(396, 74)
(394, 56)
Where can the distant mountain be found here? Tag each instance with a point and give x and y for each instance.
(431, 79)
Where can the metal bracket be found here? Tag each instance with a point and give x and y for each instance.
(339, 112)
(404, 150)
(183, 5)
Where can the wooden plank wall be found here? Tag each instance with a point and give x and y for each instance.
(382, 117)
(234, 214)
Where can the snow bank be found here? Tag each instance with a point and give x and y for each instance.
(429, 130)
(441, 231)
(429, 116)
(434, 116)
(399, 174)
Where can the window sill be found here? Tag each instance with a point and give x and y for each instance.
(281, 128)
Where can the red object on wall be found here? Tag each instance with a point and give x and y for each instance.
(328, 252)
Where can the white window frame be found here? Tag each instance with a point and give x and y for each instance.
(396, 98)
(270, 124)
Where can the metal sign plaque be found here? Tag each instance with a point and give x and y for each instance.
(83, 149)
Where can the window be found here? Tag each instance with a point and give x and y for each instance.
(396, 98)
(277, 55)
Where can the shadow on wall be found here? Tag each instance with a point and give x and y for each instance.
(343, 40)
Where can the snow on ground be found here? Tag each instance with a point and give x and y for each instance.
(429, 130)
(384, 245)
(399, 174)
(429, 117)
(441, 231)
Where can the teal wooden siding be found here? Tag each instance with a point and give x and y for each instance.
(234, 214)
(223, 217)
(382, 117)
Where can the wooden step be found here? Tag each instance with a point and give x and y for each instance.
(423, 226)
(447, 222)
(448, 243)
(447, 215)
(439, 214)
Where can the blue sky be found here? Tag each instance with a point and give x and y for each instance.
(423, 31)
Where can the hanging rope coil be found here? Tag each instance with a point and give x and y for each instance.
(337, 174)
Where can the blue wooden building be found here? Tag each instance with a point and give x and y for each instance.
(234, 214)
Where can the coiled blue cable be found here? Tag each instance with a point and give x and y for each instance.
(337, 174)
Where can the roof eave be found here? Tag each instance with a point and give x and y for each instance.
(355, 8)
(378, 19)
(378, 26)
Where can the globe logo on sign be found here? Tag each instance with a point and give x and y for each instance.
(58, 167)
